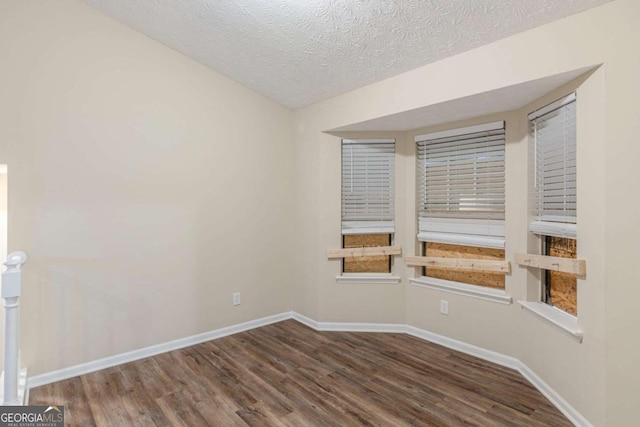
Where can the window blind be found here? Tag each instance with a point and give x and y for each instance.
(552, 131)
(368, 169)
(461, 186)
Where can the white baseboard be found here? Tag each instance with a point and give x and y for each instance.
(348, 326)
(142, 353)
(305, 320)
(463, 347)
(558, 401)
(360, 327)
(491, 356)
(510, 362)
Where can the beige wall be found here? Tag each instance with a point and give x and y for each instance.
(622, 232)
(145, 188)
(597, 377)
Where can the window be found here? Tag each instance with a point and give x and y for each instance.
(552, 132)
(370, 264)
(559, 288)
(461, 199)
(368, 169)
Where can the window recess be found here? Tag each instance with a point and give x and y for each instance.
(561, 269)
(552, 135)
(368, 208)
(365, 253)
(461, 194)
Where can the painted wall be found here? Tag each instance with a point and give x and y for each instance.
(145, 188)
(138, 187)
(598, 376)
(622, 229)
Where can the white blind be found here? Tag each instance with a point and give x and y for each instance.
(461, 186)
(368, 168)
(552, 131)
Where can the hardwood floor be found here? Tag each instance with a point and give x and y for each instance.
(287, 374)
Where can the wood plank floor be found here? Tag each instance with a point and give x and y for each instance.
(287, 374)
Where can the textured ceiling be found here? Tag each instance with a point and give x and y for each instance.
(298, 52)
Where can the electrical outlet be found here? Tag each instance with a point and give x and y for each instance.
(444, 307)
(236, 298)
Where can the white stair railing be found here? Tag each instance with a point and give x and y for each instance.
(10, 291)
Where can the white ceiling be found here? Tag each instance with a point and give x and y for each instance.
(298, 52)
(496, 101)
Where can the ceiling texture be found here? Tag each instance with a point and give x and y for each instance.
(298, 52)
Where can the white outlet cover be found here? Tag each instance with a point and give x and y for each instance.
(444, 307)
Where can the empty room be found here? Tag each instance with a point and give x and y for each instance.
(319, 212)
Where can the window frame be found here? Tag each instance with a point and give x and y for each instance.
(384, 225)
(493, 136)
(546, 226)
(558, 318)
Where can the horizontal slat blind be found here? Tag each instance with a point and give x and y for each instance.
(461, 186)
(368, 168)
(553, 134)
